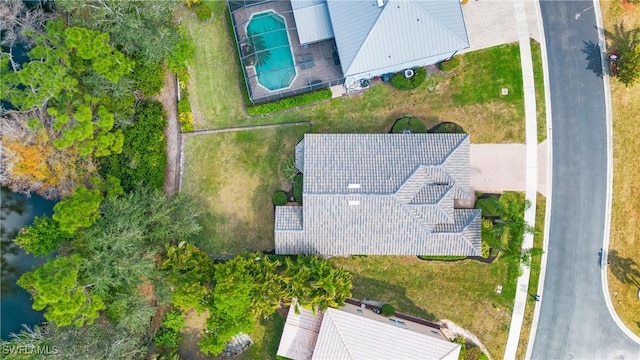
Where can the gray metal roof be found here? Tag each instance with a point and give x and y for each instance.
(345, 335)
(312, 20)
(369, 37)
(381, 194)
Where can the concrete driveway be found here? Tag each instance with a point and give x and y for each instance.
(493, 22)
(502, 167)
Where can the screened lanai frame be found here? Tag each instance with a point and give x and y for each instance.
(316, 65)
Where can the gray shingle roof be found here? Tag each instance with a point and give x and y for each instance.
(381, 194)
(369, 37)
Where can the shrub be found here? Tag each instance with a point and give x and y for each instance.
(289, 103)
(203, 12)
(149, 78)
(447, 128)
(181, 56)
(173, 320)
(402, 83)
(450, 64)
(473, 353)
(388, 310)
(167, 338)
(41, 237)
(188, 296)
(297, 188)
(486, 248)
(279, 198)
(408, 123)
(463, 347)
(186, 122)
(190, 3)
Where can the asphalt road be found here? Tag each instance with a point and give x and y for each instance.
(574, 321)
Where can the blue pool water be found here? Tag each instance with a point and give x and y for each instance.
(276, 70)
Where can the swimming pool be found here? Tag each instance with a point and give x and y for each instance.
(275, 69)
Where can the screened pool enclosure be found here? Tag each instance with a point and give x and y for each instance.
(275, 62)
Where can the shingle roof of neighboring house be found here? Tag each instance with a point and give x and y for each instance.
(384, 194)
(349, 336)
(371, 37)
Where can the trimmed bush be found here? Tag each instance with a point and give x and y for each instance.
(297, 188)
(402, 83)
(447, 128)
(149, 78)
(408, 123)
(203, 12)
(279, 198)
(388, 310)
(453, 63)
(290, 103)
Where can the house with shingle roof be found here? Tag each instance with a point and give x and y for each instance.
(381, 194)
(354, 331)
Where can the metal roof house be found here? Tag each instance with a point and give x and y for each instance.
(289, 47)
(381, 194)
(356, 332)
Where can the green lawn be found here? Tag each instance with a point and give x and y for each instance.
(266, 338)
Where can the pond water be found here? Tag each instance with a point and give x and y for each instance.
(17, 211)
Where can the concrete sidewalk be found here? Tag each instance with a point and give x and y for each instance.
(522, 286)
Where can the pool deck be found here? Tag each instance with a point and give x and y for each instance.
(312, 62)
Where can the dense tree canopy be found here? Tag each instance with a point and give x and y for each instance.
(57, 288)
(142, 29)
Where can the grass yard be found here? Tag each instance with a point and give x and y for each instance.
(234, 175)
(624, 267)
(217, 98)
(266, 338)
(534, 277)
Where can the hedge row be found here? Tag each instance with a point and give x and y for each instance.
(185, 116)
(289, 103)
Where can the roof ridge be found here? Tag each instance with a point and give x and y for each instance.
(364, 41)
(433, 18)
(469, 221)
(340, 335)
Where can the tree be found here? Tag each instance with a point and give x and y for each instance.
(133, 226)
(270, 289)
(316, 283)
(187, 263)
(57, 289)
(629, 65)
(41, 237)
(78, 211)
(230, 312)
(154, 37)
(100, 339)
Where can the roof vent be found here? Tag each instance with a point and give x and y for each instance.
(380, 3)
(354, 186)
(354, 202)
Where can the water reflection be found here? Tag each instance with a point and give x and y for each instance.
(17, 211)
